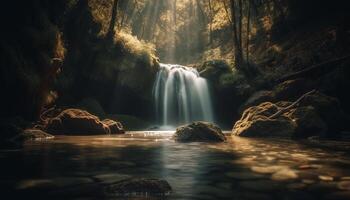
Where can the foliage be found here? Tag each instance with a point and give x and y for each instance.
(139, 48)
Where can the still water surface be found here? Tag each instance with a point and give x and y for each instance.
(75, 167)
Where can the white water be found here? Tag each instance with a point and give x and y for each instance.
(181, 96)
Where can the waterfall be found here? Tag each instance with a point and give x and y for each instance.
(181, 96)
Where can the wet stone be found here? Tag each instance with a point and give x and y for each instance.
(307, 167)
(268, 169)
(52, 183)
(325, 178)
(138, 187)
(283, 175)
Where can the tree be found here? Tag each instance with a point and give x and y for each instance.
(248, 29)
(210, 22)
(236, 39)
(111, 30)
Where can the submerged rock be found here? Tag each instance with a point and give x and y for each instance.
(76, 122)
(139, 187)
(199, 132)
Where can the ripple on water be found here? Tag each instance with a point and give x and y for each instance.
(241, 168)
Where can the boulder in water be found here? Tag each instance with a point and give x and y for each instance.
(310, 115)
(255, 122)
(77, 122)
(199, 132)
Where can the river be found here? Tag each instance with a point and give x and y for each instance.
(75, 167)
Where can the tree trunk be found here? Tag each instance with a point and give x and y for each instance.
(175, 13)
(240, 19)
(226, 11)
(111, 31)
(248, 31)
(210, 23)
(238, 50)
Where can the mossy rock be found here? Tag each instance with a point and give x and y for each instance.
(199, 132)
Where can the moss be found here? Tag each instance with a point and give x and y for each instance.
(232, 79)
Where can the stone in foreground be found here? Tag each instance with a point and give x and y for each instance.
(139, 187)
(199, 132)
(34, 134)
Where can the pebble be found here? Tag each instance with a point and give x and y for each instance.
(268, 169)
(325, 178)
(284, 174)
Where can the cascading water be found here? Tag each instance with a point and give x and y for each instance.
(181, 96)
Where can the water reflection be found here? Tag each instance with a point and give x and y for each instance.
(240, 168)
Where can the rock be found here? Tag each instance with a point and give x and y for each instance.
(199, 132)
(258, 98)
(113, 126)
(92, 106)
(34, 134)
(312, 116)
(255, 122)
(291, 89)
(77, 122)
(131, 123)
(139, 187)
(283, 175)
(213, 69)
(329, 110)
(308, 122)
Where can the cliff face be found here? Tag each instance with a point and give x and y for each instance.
(53, 52)
(31, 51)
